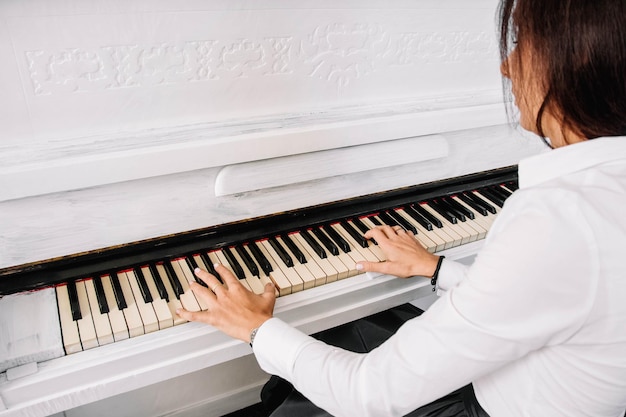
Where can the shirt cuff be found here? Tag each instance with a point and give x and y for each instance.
(451, 274)
(277, 346)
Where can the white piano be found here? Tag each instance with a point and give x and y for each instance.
(145, 121)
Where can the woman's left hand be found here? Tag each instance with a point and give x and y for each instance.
(231, 307)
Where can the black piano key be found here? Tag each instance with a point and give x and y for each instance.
(451, 209)
(173, 279)
(143, 285)
(512, 185)
(103, 305)
(158, 282)
(360, 225)
(354, 233)
(209, 265)
(117, 291)
(294, 249)
(494, 198)
(460, 208)
(234, 264)
(74, 304)
(500, 192)
(284, 256)
(192, 264)
(317, 248)
(336, 237)
(478, 200)
(451, 217)
(363, 228)
(325, 240)
(247, 259)
(264, 263)
(402, 221)
(480, 209)
(387, 219)
(374, 219)
(423, 212)
(504, 190)
(418, 217)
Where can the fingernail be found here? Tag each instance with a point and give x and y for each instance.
(359, 267)
(216, 264)
(197, 270)
(178, 311)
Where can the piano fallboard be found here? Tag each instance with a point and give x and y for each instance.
(76, 266)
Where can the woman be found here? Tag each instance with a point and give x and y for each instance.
(537, 325)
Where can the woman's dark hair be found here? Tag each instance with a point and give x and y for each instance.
(581, 48)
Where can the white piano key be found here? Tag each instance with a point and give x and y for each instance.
(163, 313)
(343, 271)
(374, 248)
(69, 328)
(330, 272)
(86, 329)
(224, 261)
(174, 303)
(307, 277)
(148, 316)
(426, 239)
(297, 284)
(131, 312)
(479, 222)
(458, 236)
(116, 316)
(187, 298)
(100, 321)
(484, 221)
(265, 279)
(253, 281)
(314, 268)
(344, 258)
(487, 200)
(189, 277)
(366, 253)
(354, 255)
(469, 233)
(278, 277)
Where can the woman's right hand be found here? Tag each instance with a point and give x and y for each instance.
(406, 257)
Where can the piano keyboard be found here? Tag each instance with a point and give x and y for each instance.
(124, 302)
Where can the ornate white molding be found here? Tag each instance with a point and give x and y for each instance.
(335, 53)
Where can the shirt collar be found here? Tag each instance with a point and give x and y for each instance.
(569, 159)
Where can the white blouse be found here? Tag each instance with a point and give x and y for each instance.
(537, 323)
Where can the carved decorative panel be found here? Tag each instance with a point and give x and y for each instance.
(77, 71)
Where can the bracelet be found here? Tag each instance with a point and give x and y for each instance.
(252, 335)
(433, 280)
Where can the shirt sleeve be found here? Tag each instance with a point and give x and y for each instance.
(530, 287)
(451, 274)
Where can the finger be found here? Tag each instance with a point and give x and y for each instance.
(226, 274)
(209, 279)
(382, 267)
(387, 268)
(202, 291)
(379, 233)
(269, 291)
(188, 315)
